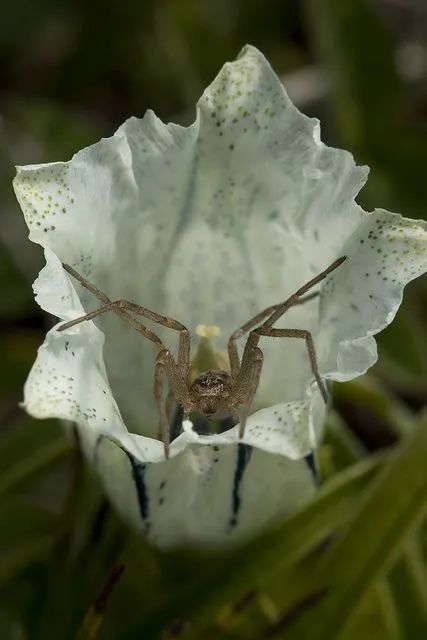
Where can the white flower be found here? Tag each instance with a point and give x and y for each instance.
(209, 224)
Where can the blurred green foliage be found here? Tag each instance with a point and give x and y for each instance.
(351, 564)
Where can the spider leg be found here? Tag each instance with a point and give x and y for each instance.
(114, 306)
(170, 404)
(165, 365)
(274, 312)
(282, 308)
(122, 307)
(159, 375)
(86, 284)
(245, 386)
(250, 324)
(107, 302)
(296, 333)
(183, 361)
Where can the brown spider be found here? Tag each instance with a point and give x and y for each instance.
(211, 390)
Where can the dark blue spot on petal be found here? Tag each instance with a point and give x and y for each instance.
(244, 452)
(312, 465)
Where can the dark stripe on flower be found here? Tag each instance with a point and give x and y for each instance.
(95, 450)
(176, 422)
(312, 465)
(138, 476)
(244, 452)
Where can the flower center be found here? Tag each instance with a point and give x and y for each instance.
(207, 331)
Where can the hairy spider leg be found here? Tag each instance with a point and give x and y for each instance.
(177, 371)
(305, 335)
(97, 293)
(165, 365)
(125, 305)
(266, 329)
(113, 306)
(282, 308)
(233, 355)
(245, 386)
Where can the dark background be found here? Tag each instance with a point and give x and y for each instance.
(70, 73)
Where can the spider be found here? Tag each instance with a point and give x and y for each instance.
(214, 390)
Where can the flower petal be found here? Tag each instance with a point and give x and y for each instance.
(362, 296)
(207, 224)
(229, 489)
(227, 492)
(68, 381)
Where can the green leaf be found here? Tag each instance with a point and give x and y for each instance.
(256, 564)
(19, 557)
(408, 582)
(376, 618)
(403, 350)
(359, 52)
(15, 300)
(368, 392)
(11, 627)
(30, 450)
(344, 446)
(26, 535)
(391, 509)
(18, 348)
(22, 521)
(365, 102)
